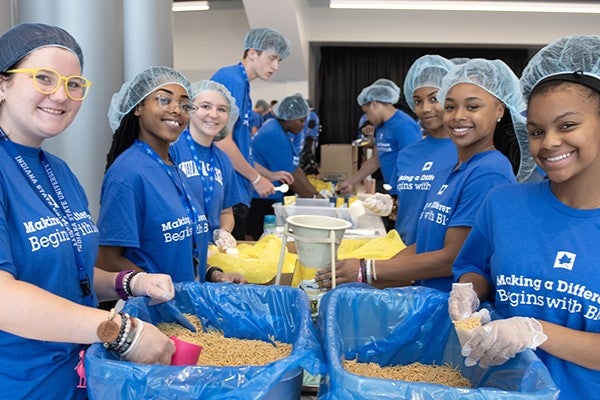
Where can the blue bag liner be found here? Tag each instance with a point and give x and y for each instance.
(240, 311)
(404, 325)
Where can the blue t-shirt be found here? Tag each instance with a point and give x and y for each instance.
(390, 137)
(256, 120)
(210, 176)
(35, 248)
(416, 167)
(540, 257)
(234, 78)
(273, 149)
(455, 198)
(141, 210)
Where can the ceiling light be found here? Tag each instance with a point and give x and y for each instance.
(510, 6)
(190, 5)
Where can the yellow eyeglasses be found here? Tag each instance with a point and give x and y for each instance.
(47, 81)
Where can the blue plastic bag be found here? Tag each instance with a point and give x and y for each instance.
(405, 325)
(241, 311)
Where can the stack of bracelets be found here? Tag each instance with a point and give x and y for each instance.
(367, 273)
(123, 283)
(129, 332)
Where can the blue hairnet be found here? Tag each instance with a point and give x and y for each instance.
(292, 107)
(388, 83)
(136, 89)
(22, 39)
(212, 86)
(267, 39)
(383, 92)
(426, 71)
(574, 58)
(495, 77)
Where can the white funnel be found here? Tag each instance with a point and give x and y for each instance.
(314, 238)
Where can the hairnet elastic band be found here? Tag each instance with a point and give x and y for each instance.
(576, 77)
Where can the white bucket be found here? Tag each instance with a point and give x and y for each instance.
(313, 238)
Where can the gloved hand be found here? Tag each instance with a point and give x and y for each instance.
(462, 302)
(500, 340)
(150, 346)
(379, 204)
(223, 239)
(325, 193)
(159, 287)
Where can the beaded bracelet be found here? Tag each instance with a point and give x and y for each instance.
(137, 333)
(124, 317)
(119, 286)
(127, 283)
(127, 339)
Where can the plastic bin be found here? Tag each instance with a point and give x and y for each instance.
(312, 207)
(242, 311)
(405, 325)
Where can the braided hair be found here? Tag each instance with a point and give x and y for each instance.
(506, 142)
(124, 137)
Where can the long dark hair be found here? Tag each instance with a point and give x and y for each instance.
(124, 137)
(506, 142)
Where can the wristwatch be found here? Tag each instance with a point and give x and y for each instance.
(108, 331)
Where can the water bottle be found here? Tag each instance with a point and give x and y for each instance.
(269, 225)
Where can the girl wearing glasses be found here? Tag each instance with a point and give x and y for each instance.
(149, 218)
(208, 168)
(48, 241)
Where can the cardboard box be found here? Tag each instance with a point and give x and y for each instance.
(338, 162)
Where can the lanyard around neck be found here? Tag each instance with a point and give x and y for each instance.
(208, 180)
(60, 209)
(183, 193)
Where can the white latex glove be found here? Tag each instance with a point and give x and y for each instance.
(223, 239)
(150, 346)
(462, 302)
(325, 193)
(500, 340)
(159, 287)
(379, 204)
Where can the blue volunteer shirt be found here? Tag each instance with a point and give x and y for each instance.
(540, 257)
(392, 136)
(141, 210)
(36, 248)
(454, 200)
(416, 167)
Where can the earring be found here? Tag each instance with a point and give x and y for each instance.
(499, 118)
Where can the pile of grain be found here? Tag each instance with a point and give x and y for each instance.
(218, 350)
(415, 372)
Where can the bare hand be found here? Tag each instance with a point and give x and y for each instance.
(283, 177)
(230, 277)
(263, 187)
(345, 187)
(345, 271)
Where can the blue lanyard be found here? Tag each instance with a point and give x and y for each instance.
(246, 120)
(208, 179)
(61, 210)
(186, 201)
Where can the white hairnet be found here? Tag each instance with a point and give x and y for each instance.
(207, 85)
(495, 77)
(573, 58)
(384, 93)
(426, 71)
(388, 83)
(136, 89)
(292, 107)
(267, 39)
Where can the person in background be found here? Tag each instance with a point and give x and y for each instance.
(208, 169)
(256, 120)
(273, 148)
(264, 49)
(48, 245)
(533, 249)
(150, 220)
(310, 141)
(394, 130)
(483, 108)
(419, 163)
(270, 114)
